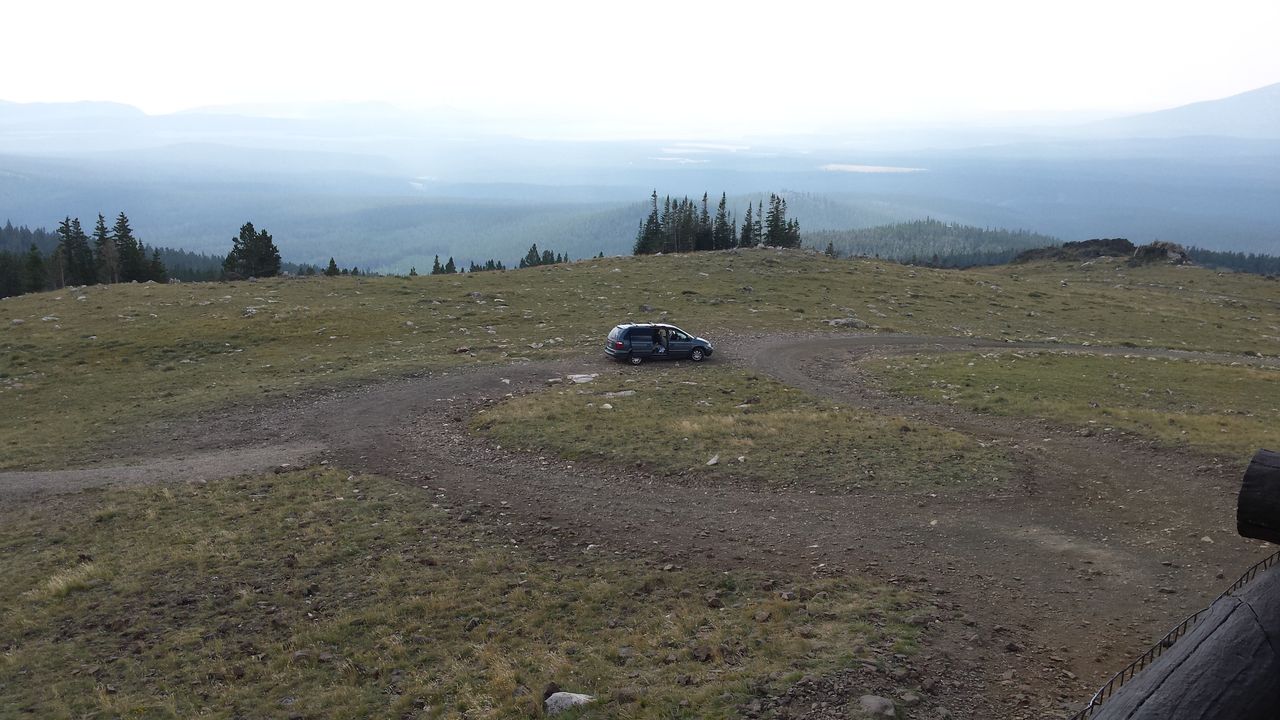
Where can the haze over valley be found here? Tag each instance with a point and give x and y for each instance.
(386, 189)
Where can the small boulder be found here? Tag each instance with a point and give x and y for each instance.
(558, 702)
(876, 706)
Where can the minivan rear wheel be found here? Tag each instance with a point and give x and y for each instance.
(636, 359)
(697, 355)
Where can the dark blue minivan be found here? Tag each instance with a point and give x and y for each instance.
(637, 342)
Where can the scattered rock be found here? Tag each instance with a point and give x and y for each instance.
(646, 308)
(463, 350)
(583, 378)
(877, 706)
(626, 695)
(715, 460)
(472, 624)
(852, 322)
(702, 653)
(909, 699)
(557, 703)
(606, 406)
(17, 321)
(620, 393)
(714, 601)
(763, 615)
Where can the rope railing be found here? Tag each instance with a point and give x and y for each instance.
(1119, 679)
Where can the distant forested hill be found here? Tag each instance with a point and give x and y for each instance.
(930, 242)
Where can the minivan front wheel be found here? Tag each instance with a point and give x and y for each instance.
(636, 359)
(697, 355)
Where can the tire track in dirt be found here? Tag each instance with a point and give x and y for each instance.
(1058, 579)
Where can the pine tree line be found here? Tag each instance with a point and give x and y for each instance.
(1257, 263)
(533, 258)
(108, 256)
(684, 225)
(930, 242)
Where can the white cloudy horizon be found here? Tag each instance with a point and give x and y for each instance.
(664, 69)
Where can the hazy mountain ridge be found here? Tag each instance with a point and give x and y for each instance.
(1252, 114)
(385, 189)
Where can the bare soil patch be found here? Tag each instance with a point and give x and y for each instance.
(1043, 587)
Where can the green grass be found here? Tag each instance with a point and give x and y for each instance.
(317, 594)
(675, 420)
(1230, 410)
(127, 354)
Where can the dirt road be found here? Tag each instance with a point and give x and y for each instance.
(1042, 588)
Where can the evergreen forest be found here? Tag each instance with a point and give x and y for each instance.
(683, 225)
(930, 242)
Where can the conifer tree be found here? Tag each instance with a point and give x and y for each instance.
(133, 261)
(332, 270)
(721, 230)
(253, 254)
(106, 255)
(413, 271)
(76, 253)
(436, 267)
(704, 235)
(531, 258)
(35, 275)
(649, 236)
(450, 268)
(775, 222)
(747, 238)
(155, 268)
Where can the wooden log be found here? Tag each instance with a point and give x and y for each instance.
(1258, 508)
(1226, 668)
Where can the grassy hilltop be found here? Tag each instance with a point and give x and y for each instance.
(82, 365)
(320, 593)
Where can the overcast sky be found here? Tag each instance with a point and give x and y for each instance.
(691, 68)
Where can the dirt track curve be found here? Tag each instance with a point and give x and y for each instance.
(1043, 587)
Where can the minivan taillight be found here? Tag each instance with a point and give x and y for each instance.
(617, 344)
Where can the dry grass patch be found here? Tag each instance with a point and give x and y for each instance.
(323, 595)
(1225, 409)
(677, 419)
